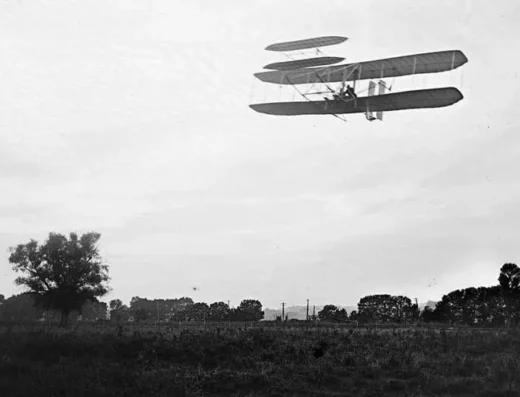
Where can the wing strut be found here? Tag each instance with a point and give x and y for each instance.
(314, 103)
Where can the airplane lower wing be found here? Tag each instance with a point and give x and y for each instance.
(418, 99)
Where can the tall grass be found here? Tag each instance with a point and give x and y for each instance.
(222, 360)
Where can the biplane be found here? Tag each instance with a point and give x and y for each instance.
(309, 75)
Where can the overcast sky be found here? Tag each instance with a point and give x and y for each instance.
(131, 118)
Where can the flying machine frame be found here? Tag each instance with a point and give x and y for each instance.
(309, 72)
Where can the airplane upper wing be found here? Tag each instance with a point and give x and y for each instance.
(431, 62)
(418, 99)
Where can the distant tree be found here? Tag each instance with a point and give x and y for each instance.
(197, 312)
(20, 308)
(169, 309)
(509, 281)
(92, 311)
(472, 301)
(374, 308)
(181, 302)
(139, 314)
(327, 313)
(341, 316)
(451, 307)
(333, 314)
(2, 298)
(471, 306)
(142, 309)
(386, 308)
(402, 310)
(173, 307)
(249, 310)
(61, 274)
(118, 311)
(163, 309)
(218, 311)
(491, 308)
(115, 304)
(398, 306)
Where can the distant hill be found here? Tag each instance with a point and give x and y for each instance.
(300, 312)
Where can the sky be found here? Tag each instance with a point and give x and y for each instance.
(130, 118)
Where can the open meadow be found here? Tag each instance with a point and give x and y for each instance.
(219, 360)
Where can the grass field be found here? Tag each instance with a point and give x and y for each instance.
(260, 361)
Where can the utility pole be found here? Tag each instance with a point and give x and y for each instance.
(283, 311)
(307, 318)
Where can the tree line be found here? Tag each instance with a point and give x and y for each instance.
(495, 305)
(65, 277)
(23, 307)
(184, 310)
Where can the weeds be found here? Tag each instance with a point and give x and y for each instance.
(260, 362)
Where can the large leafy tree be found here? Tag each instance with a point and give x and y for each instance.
(458, 306)
(385, 308)
(249, 310)
(402, 309)
(376, 307)
(174, 308)
(333, 313)
(62, 274)
(197, 312)
(218, 311)
(509, 280)
(472, 306)
(144, 309)
(193, 312)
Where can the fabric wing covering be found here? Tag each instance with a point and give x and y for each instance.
(303, 63)
(419, 99)
(431, 62)
(307, 43)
